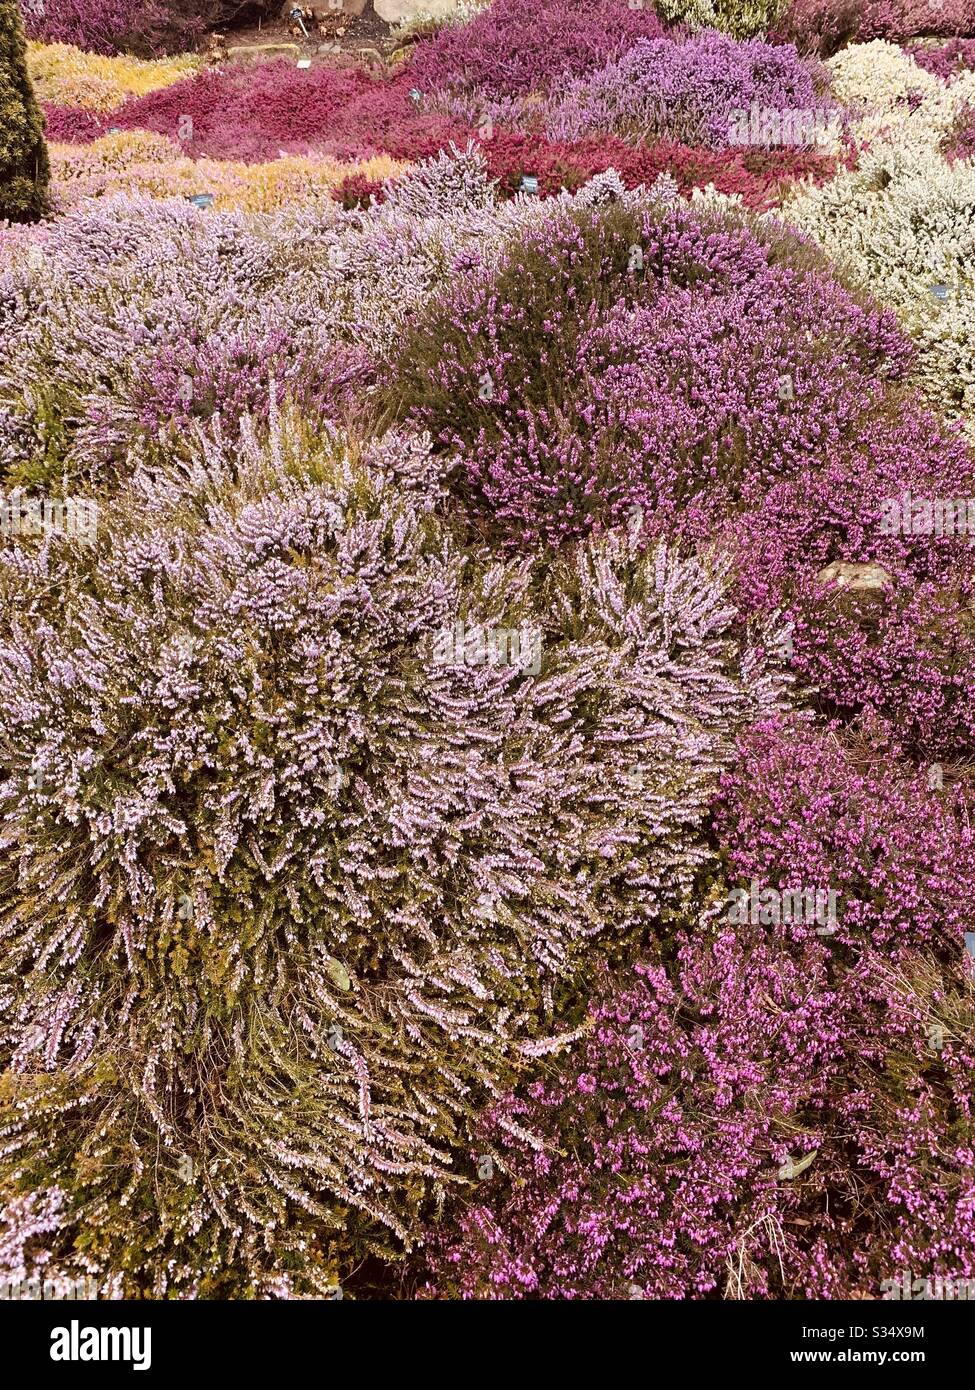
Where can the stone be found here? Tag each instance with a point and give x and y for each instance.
(400, 11)
(253, 51)
(856, 577)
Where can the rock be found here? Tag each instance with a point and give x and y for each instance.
(399, 11)
(857, 577)
(253, 51)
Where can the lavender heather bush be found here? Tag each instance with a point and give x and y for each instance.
(650, 1136)
(825, 26)
(304, 854)
(804, 806)
(742, 18)
(689, 90)
(900, 640)
(141, 316)
(947, 60)
(120, 286)
(893, 1185)
(226, 377)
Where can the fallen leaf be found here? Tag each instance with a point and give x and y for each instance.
(793, 1167)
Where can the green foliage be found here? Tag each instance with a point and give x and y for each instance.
(24, 169)
(741, 18)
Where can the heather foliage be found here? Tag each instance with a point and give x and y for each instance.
(899, 639)
(686, 90)
(742, 18)
(904, 222)
(652, 1137)
(669, 1148)
(143, 315)
(145, 28)
(519, 46)
(310, 854)
(533, 546)
(825, 26)
(696, 372)
(947, 60)
(84, 323)
(664, 1151)
(66, 76)
(803, 806)
(593, 369)
(140, 162)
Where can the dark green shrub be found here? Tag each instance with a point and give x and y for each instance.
(24, 169)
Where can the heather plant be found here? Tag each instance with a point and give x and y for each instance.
(120, 282)
(693, 90)
(225, 377)
(903, 221)
(252, 112)
(519, 46)
(825, 26)
(85, 314)
(961, 141)
(621, 1173)
(758, 1108)
(140, 162)
(894, 1179)
(23, 156)
(808, 806)
(592, 371)
(741, 18)
(879, 608)
(760, 1120)
(72, 124)
(306, 852)
(709, 380)
(145, 28)
(945, 60)
(892, 97)
(821, 27)
(173, 276)
(66, 76)
(136, 315)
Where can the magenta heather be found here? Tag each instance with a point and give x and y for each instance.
(519, 46)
